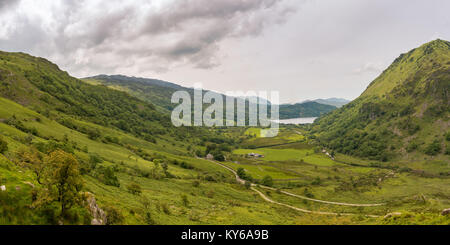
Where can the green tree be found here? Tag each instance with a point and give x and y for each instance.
(267, 181)
(32, 159)
(62, 180)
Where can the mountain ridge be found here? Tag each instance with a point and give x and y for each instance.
(403, 113)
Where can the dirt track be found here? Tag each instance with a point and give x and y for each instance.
(241, 181)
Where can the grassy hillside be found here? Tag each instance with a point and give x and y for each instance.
(43, 110)
(403, 114)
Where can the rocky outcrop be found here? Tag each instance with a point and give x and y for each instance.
(98, 215)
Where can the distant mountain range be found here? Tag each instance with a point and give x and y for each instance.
(337, 102)
(159, 93)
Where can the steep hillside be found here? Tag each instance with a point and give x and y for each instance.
(404, 113)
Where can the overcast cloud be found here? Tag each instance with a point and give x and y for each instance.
(305, 49)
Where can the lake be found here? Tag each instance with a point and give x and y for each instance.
(301, 120)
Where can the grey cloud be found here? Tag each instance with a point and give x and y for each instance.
(5, 4)
(183, 32)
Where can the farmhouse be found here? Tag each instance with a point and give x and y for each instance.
(256, 155)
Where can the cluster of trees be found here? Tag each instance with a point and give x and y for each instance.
(217, 150)
(59, 175)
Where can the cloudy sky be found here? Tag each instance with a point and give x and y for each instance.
(305, 49)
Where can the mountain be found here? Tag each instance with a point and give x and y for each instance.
(159, 93)
(403, 114)
(337, 102)
(307, 109)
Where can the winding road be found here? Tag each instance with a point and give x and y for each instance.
(241, 181)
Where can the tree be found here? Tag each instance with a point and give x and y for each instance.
(3, 146)
(62, 179)
(32, 159)
(218, 156)
(267, 181)
(241, 173)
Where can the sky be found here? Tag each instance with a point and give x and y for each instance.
(305, 49)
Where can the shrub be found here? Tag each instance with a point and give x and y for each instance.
(267, 181)
(316, 181)
(210, 194)
(134, 188)
(433, 148)
(243, 175)
(113, 216)
(3, 146)
(196, 183)
(107, 176)
(184, 200)
(186, 165)
(412, 146)
(165, 208)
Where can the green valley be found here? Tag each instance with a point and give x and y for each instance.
(103, 150)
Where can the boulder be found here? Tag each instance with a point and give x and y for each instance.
(394, 214)
(446, 211)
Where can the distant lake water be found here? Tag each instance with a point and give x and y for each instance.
(301, 120)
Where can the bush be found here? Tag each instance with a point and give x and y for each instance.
(243, 175)
(3, 146)
(134, 188)
(433, 148)
(184, 200)
(267, 181)
(412, 146)
(316, 181)
(186, 165)
(113, 216)
(107, 176)
(196, 183)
